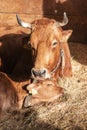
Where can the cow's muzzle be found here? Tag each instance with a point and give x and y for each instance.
(38, 73)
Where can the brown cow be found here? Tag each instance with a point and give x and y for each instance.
(43, 91)
(10, 96)
(50, 48)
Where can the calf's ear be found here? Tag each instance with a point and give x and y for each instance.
(65, 35)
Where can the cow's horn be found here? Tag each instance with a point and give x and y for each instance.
(23, 24)
(64, 22)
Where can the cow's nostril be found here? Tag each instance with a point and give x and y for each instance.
(40, 73)
(34, 72)
(43, 72)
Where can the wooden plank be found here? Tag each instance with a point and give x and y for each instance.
(21, 6)
(45, 7)
(10, 18)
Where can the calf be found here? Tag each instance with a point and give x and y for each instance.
(43, 91)
(11, 96)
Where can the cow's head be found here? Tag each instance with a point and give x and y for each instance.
(50, 49)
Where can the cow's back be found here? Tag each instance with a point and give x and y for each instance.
(8, 94)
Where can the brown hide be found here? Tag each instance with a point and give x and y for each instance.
(8, 94)
(43, 91)
(11, 94)
(47, 41)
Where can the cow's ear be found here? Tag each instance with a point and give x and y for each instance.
(66, 34)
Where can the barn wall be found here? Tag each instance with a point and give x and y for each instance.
(30, 10)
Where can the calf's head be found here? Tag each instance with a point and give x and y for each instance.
(43, 91)
(50, 49)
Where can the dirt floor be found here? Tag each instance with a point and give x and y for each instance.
(67, 113)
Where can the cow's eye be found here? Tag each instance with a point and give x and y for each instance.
(54, 43)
